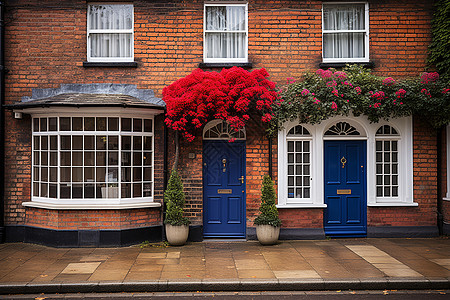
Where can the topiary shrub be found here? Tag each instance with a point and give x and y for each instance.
(175, 199)
(268, 211)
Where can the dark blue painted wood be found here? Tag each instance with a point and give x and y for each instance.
(345, 215)
(223, 214)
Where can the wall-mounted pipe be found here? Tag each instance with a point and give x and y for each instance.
(2, 121)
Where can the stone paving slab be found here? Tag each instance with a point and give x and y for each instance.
(228, 266)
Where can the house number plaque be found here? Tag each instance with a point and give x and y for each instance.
(344, 192)
(224, 191)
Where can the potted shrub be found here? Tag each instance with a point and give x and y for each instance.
(177, 225)
(267, 222)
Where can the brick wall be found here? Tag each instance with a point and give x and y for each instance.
(46, 46)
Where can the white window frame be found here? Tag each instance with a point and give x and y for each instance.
(109, 31)
(365, 31)
(368, 131)
(225, 60)
(96, 203)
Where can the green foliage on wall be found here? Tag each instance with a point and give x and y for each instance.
(439, 49)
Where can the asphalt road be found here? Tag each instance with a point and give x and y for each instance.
(313, 295)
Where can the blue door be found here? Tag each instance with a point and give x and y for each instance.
(345, 188)
(224, 189)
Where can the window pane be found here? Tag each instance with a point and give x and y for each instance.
(77, 191)
(290, 146)
(137, 174)
(53, 142)
(148, 125)
(126, 174)
(89, 174)
(89, 142)
(77, 124)
(101, 158)
(147, 143)
(100, 174)
(43, 122)
(137, 143)
(89, 158)
(100, 124)
(137, 189)
(89, 191)
(65, 158)
(113, 142)
(77, 142)
(113, 124)
(44, 158)
(101, 142)
(111, 44)
(53, 190)
(137, 159)
(64, 191)
(89, 124)
(113, 174)
(65, 142)
(44, 142)
(147, 158)
(344, 17)
(137, 125)
(147, 189)
(52, 124)
(77, 158)
(147, 174)
(35, 124)
(100, 190)
(126, 143)
(113, 158)
(77, 174)
(37, 143)
(126, 124)
(64, 124)
(53, 158)
(126, 158)
(225, 45)
(65, 174)
(126, 190)
(111, 16)
(343, 45)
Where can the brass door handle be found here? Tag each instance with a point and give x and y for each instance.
(241, 179)
(343, 161)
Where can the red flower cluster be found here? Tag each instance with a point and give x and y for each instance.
(194, 100)
(429, 77)
(389, 81)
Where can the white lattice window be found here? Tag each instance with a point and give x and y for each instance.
(92, 159)
(225, 35)
(110, 33)
(298, 163)
(345, 32)
(387, 162)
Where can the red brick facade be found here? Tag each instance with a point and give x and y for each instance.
(46, 47)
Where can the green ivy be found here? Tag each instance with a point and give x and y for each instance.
(439, 49)
(268, 211)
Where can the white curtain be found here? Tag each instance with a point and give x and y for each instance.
(225, 44)
(344, 44)
(110, 18)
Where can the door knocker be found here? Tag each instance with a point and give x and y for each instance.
(343, 161)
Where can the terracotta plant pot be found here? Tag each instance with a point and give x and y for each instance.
(267, 234)
(177, 235)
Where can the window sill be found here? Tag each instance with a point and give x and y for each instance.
(132, 64)
(247, 65)
(54, 206)
(308, 205)
(369, 64)
(446, 199)
(390, 204)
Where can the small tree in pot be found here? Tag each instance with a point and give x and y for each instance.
(177, 225)
(267, 222)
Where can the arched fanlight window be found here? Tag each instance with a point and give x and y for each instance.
(298, 131)
(387, 161)
(342, 128)
(221, 130)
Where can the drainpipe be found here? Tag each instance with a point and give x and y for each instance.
(270, 157)
(165, 178)
(440, 218)
(2, 117)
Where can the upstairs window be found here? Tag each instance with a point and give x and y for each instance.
(225, 33)
(110, 33)
(345, 32)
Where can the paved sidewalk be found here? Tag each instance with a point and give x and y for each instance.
(229, 266)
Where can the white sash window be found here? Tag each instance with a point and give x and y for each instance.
(225, 33)
(110, 33)
(345, 32)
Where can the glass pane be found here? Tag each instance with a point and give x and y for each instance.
(290, 193)
(89, 191)
(237, 42)
(77, 174)
(137, 143)
(36, 173)
(89, 174)
(53, 174)
(147, 174)
(343, 45)
(44, 142)
(77, 142)
(137, 190)
(298, 193)
(77, 124)
(77, 191)
(387, 191)
(89, 158)
(35, 124)
(89, 124)
(126, 158)
(379, 180)
(101, 142)
(113, 174)
(387, 169)
(387, 180)
(113, 124)
(44, 189)
(53, 142)
(52, 124)
(147, 158)
(101, 158)
(137, 174)
(126, 124)
(147, 189)
(100, 124)
(137, 158)
(290, 180)
(44, 174)
(36, 158)
(298, 170)
(65, 158)
(89, 142)
(394, 169)
(290, 170)
(306, 170)
(44, 158)
(298, 181)
(113, 158)
(126, 174)
(110, 16)
(126, 190)
(65, 142)
(298, 158)
(37, 143)
(379, 169)
(379, 157)
(147, 143)
(387, 146)
(387, 157)
(111, 44)
(64, 191)
(394, 145)
(53, 190)
(290, 146)
(36, 189)
(100, 174)
(298, 146)
(291, 158)
(148, 125)
(53, 158)
(306, 193)
(113, 142)
(395, 180)
(394, 191)
(306, 158)
(379, 146)
(137, 125)
(77, 158)
(65, 174)
(64, 124)
(306, 180)
(100, 190)
(43, 122)
(306, 146)
(379, 191)
(113, 191)
(344, 16)
(395, 157)
(126, 142)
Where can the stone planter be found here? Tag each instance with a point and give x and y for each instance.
(177, 235)
(267, 234)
